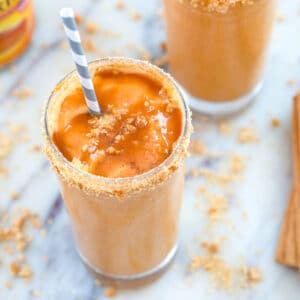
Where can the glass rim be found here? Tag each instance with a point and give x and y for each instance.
(122, 180)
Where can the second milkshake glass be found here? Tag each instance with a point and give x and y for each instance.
(217, 50)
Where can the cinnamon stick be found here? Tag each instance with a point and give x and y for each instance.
(296, 157)
(288, 251)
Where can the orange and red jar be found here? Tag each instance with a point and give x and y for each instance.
(16, 27)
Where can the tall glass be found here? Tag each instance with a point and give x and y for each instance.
(218, 53)
(125, 228)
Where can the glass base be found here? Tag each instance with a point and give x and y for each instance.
(222, 109)
(134, 280)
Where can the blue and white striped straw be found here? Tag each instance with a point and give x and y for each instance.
(79, 58)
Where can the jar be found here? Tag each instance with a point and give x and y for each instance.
(16, 27)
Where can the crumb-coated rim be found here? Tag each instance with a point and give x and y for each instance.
(119, 186)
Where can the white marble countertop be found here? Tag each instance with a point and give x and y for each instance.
(263, 192)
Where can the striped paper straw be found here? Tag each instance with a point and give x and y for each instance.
(79, 58)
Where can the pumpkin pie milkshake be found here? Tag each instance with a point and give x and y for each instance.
(121, 173)
(217, 49)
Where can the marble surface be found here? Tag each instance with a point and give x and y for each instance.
(262, 193)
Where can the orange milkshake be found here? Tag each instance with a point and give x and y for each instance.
(121, 173)
(217, 49)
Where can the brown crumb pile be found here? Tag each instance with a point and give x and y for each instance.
(216, 192)
(15, 239)
(222, 274)
(220, 6)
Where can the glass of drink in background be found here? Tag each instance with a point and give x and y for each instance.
(121, 174)
(217, 50)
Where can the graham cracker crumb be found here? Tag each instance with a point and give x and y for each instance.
(120, 5)
(224, 128)
(254, 275)
(237, 164)
(14, 195)
(89, 45)
(247, 135)
(23, 93)
(219, 6)
(110, 291)
(197, 147)
(91, 27)
(36, 148)
(8, 284)
(275, 123)
(195, 263)
(78, 19)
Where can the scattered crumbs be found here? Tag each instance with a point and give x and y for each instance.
(110, 291)
(98, 282)
(280, 17)
(291, 82)
(36, 294)
(8, 284)
(78, 19)
(211, 247)
(36, 148)
(247, 135)
(91, 27)
(275, 123)
(23, 93)
(195, 263)
(224, 128)
(197, 147)
(14, 195)
(120, 5)
(237, 164)
(254, 275)
(218, 204)
(88, 45)
(222, 274)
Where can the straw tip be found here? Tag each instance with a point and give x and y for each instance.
(67, 12)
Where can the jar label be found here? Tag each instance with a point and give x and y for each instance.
(7, 5)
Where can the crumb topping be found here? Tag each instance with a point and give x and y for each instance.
(220, 6)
